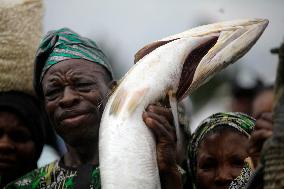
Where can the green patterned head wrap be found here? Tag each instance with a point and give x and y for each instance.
(241, 122)
(64, 44)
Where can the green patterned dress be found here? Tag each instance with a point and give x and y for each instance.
(56, 176)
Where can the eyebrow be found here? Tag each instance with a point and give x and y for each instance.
(50, 83)
(205, 156)
(53, 78)
(83, 77)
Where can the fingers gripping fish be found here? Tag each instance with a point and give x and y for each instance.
(174, 66)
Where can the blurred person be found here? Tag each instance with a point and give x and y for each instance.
(21, 135)
(263, 101)
(218, 156)
(263, 131)
(74, 79)
(262, 112)
(21, 30)
(266, 136)
(243, 91)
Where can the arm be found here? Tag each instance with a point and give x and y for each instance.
(159, 120)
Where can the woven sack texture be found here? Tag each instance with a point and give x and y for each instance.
(20, 33)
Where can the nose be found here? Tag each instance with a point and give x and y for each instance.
(223, 176)
(6, 144)
(70, 98)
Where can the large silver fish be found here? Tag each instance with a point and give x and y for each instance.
(173, 66)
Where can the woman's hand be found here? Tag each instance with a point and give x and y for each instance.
(262, 131)
(160, 120)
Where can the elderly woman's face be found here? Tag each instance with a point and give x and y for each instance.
(220, 159)
(75, 93)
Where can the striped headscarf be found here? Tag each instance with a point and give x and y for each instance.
(241, 122)
(64, 44)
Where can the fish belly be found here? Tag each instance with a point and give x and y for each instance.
(127, 153)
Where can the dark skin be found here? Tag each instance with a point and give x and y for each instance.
(17, 149)
(262, 112)
(220, 159)
(159, 120)
(75, 93)
(242, 104)
(262, 131)
(72, 96)
(262, 103)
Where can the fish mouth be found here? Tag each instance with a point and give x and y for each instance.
(191, 62)
(219, 45)
(229, 43)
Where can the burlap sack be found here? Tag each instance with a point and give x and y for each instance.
(20, 32)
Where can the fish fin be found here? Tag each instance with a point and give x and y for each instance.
(136, 99)
(174, 107)
(148, 49)
(118, 101)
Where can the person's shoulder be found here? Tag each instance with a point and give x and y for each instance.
(33, 178)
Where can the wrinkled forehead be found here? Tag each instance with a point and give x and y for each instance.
(226, 141)
(75, 67)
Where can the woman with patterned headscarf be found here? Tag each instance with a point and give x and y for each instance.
(218, 157)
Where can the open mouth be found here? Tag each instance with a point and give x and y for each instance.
(215, 54)
(190, 65)
(220, 45)
(191, 62)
